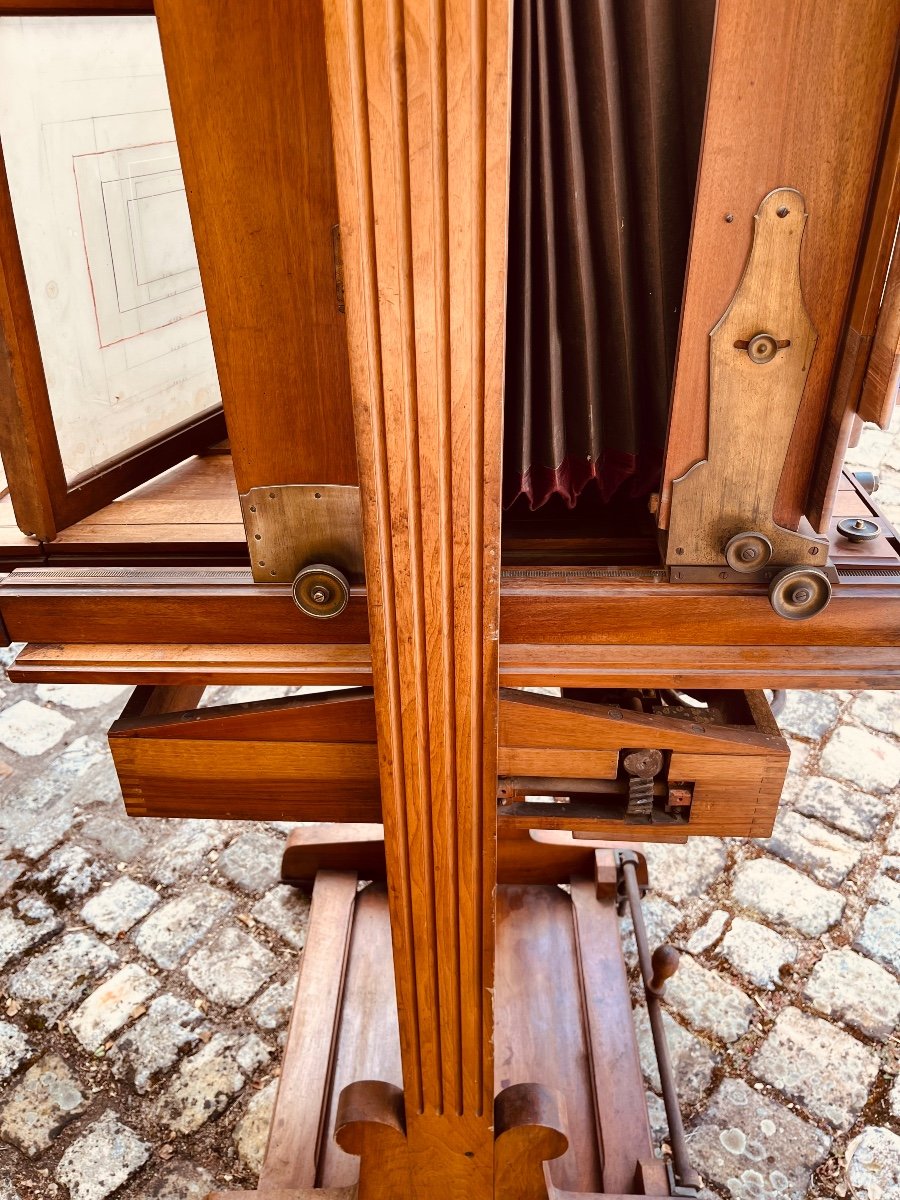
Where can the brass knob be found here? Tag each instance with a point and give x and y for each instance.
(856, 529)
(321, 591)
(665, 962)
(798, 593)
(748, 552)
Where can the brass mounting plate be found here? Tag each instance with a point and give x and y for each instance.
(754, 400)
(290, 525)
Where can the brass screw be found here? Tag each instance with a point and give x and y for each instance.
(319, 595)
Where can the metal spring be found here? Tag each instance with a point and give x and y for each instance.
(640, 798)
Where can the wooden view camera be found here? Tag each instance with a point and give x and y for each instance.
(540, 333)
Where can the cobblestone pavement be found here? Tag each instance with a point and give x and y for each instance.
(146, 967)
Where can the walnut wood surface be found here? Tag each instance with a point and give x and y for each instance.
(250, 105)
(622, 1126)
(419, 110)
(770, 122)
(297, 1126)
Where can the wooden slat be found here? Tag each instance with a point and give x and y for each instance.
(223, 605)
(539, 1019)
(249, 98)
(301, 1102)
(561, 764)
(770, 123)
(520, 666)
(419, 105)
(622, 1125)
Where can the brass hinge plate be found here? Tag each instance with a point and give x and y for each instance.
(291, 525)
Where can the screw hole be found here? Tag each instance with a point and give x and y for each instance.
(258, 536)
(253, 508)
(262, 562)
(729, 217)
(318, 495)
(271, 572)
(679, 549)
(470, 1154)
(271, 495)
(782, 212)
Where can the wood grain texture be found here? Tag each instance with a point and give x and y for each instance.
(852, 388)
(419, 110)
(770, 122)
(568, 608)
(298, 1119)
(623, 1130)
(752, 406)
(250, 103)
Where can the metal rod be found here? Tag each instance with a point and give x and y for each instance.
(685, 1174)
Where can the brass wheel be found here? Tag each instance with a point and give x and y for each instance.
(748, 552)
(798, 593)
(321, 591)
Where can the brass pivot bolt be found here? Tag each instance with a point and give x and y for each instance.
(748, 552)
(321, 591)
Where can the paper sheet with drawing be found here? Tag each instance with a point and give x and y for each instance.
(106, 237)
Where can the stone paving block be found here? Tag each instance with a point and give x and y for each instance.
(10, 873)
(7, 1191)
(178, 1180)
(102, 1159)
(272, 1008)
(855, 990)
(879, 936)
(29, 730)
(32, 833)
(784, 895)
(252, 862)
(170, 931)
(231, 967)
(836, 804)
(894, 1101)
(15, 1049)
(118, 839)
(54, 981)
(112, 1005)
(826, 1070)
(72, 873)
(660, 917)
(252, 1131)
(884, 889)
(757, 952)
(692, 1060)
(183, 848)
(809, 714)
(36, 922)
(206, 1083)
(708, 933)
(79, 757)
(120, 906)
(286, 910)
(42, 1103)
(878, 710)
(80, 696)
(893, 842)
(683, 872)
(824, 853)
(873, 1164)
(708, 1002)
(154, 1043)
(754, 1148)
(865, 759)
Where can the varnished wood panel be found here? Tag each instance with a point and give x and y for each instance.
(419, 105)
(249, 98)
(773, 121)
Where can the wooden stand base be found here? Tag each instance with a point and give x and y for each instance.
(570, 1114)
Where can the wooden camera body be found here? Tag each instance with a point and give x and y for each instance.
(373, 186)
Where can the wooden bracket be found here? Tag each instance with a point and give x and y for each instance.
(760, 354)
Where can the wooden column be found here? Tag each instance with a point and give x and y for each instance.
(419, 112)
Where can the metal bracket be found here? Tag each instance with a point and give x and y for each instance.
(760, 354)
(291, 525)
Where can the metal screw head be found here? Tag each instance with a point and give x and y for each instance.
(319, 594)
(762, 348)
(749, 553)
(801, 595)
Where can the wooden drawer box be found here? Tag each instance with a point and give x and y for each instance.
(562, 761)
